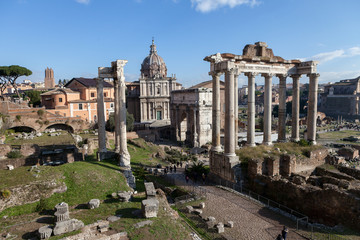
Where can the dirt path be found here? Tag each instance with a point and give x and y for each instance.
(251, 220)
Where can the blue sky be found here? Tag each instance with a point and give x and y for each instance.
(75, 37)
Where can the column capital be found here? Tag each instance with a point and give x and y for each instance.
(231, 70)
(282, 76)
(267, 75)
(251, 74)
(312, 75)
(295, 76)
(215, 73)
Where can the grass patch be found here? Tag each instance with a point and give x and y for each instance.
(261, 151)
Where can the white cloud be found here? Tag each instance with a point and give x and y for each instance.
(83, 1)
(210, 5)
(328, 56)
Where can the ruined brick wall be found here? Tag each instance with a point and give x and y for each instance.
(355, 173)
(315, 158)
(329, 206)
(222, 166)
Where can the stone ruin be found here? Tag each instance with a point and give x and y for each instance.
(63, 223)
(150, 206)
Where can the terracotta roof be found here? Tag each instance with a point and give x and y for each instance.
(89, 82)
(59, 91)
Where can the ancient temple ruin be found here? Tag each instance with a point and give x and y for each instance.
(257, 59)
(116, 72)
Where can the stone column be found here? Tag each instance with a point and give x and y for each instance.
(251, 109)
(229, 113)
(196, 141)
(236, 102)
(216, 145)
(295, 136)
(312, 108)
(124, 154)
(267, 109)
(101, 119)
(177, 130)
(116, 115)
(282, 108)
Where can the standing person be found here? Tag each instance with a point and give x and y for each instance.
(284, 232)
(203, 177)
(171, 169)
(165, 171)
(187, 178)
(181, 164)
(279, 237)
(174, 169)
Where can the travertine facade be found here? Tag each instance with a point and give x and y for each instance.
(155, 88)
(191, 115)
(257, 59)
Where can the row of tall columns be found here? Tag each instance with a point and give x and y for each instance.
(101, 119)
(236, 102)
(231, 109)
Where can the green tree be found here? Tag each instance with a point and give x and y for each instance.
(9, 74)
(34, 96)
(110, 123)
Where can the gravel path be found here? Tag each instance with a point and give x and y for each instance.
(251, 220)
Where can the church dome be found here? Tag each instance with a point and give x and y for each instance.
(153, 65)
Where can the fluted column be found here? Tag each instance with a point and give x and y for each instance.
(236, 102)
(295, 136)
(251, 109)
(267, 109)
(229, 113)
(312, 107)
(282, 108)
(116, 114)
(101, 118)
(216, 145)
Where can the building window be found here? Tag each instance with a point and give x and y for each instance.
(111, 105)
(105, 94)
(60, 99)
(158, 90)
(92, 94)
(158, 115)
(80, 106)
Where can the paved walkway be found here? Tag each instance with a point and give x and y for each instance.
(251, 220)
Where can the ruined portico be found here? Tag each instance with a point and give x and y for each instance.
(257, 60)
(116, 72)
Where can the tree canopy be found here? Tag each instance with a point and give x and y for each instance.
(9, 74)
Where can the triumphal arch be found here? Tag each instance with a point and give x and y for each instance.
(257, 59)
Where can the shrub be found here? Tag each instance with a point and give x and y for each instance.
(18, 117)
(5, 193)
(14, 154)
(46, 122)
(40, 112)
(303, 143)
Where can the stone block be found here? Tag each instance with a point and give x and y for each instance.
(143, 224)
(113, 218)
(150, 208)
(150, 190)
(124, 196)
(211, 222)
(230, 224)
(45, 232)
(10, 167)
(202, 205)
(94, 203)
(67, 226)
(220, 227)
(189, 209)
(197, 211)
